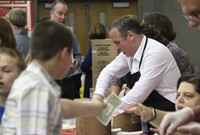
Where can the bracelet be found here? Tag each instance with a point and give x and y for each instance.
(153, 114)
(97, 96)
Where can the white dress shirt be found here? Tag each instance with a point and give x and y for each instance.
(158, 70)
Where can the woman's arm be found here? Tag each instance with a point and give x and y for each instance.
(146, 114)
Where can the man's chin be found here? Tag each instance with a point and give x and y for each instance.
(62, 22)
(125, 54)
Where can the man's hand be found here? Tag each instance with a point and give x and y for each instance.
(173, 120)
(97, 100)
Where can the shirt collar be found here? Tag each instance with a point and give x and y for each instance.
(20, 32)
(39, 70)
(138, 53)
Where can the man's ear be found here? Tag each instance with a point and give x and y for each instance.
(130, 34)
(51, 12)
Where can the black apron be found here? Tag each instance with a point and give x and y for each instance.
(154, 100)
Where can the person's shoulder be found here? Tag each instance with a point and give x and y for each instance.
(154, 42)
(155, 46)
(173, 43)
(27, 83)
(26, 79)
(70, 28)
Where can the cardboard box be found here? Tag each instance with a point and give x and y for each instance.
(103, 52)
(127, 122)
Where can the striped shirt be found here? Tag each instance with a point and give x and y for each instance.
(33, 105)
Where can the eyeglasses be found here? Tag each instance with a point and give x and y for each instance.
(192, 16)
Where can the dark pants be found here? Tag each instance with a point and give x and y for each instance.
(77, 84)
(70, 87)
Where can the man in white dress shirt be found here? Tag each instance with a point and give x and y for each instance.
(153, 69)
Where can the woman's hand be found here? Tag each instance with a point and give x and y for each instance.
(143, 111)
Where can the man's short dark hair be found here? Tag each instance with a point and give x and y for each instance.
(17, 17)
(126, 23)
(48, 38)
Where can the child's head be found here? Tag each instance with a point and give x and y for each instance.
(52, 41)
(11, 65)
(188, 93)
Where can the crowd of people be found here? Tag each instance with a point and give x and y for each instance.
(158, 79)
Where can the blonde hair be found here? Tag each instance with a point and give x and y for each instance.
(16, 55)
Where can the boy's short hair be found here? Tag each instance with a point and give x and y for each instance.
(16, 55)
(48, 38)
(17, 17)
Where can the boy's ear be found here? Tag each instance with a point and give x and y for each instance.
(63, 53)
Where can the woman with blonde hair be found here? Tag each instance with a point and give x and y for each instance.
(98, 31)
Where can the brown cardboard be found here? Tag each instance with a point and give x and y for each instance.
(127, 122)
(103, 52)
(90, 125)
